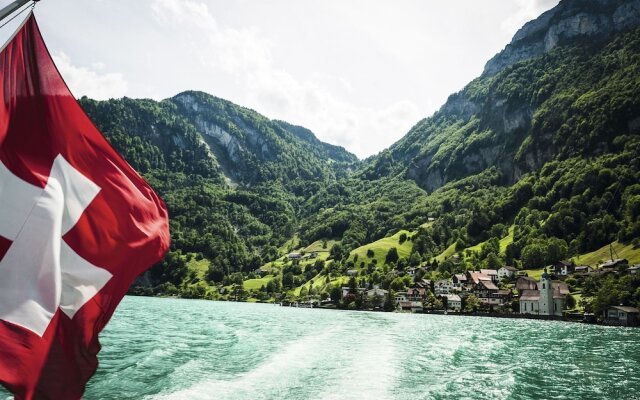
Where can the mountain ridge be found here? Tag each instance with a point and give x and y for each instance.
(544, 152)
(569, 20)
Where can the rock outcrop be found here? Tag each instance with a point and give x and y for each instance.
(571, 19)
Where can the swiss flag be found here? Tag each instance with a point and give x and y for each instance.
(77, 226)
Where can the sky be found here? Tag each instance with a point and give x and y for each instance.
(358, 73)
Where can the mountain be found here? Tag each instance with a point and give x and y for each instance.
(596, 20)
(532, 162)
(232, 178)
(566, 86)
(199, 133)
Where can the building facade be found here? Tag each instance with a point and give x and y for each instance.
(548, 299)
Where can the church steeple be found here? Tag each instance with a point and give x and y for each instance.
(546, 294)
(545, 276)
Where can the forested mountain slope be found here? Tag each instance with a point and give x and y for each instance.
(534, 161)
(232, 178)
(571, 97)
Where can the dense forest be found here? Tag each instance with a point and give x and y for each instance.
(531, 164)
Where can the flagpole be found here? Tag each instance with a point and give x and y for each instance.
(11, 8)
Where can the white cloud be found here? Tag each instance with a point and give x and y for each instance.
(358, 73)
(527, 10)
(246, 58)
(87, 82)
(176, 13)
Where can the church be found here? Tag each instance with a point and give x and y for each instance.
(546, 299)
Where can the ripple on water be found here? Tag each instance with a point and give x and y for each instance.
(185, 349)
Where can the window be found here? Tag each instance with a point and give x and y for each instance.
(525, 306)
(543, 285)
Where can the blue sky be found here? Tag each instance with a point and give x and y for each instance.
(359, 73)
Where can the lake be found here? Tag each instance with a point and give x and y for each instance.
(189, 349)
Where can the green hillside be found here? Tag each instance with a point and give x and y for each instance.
(534, 161)
(629, 251)
(381, 247)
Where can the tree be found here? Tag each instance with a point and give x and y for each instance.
(397, 284)
(472, 303)
(335, 294)
(490, 246)
(392, 256)
(403, 238)
(215, 274)
(534, 255)
(493, 262)
(389, 304)
(557, 250)
(336, 252)
(370, 253)
(287, 280)
(569, 302)
(415, 259)
(353, 285)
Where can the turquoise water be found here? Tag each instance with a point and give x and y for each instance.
(189, 349)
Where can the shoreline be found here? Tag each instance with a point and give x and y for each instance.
(430, 312)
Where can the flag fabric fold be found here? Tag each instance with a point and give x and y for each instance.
(77, 226)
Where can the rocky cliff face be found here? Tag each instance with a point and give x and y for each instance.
(252, 149)
(569, 92)
(571, 19)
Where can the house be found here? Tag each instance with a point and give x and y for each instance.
(491, 273)
(379, 294)
(262, 271)
(412, 271)
(443, 286)
(503, 295)
(424, 283)
(506, 272)
(413, 306)
(459, 282)
(416, 293)
(487, 292)
(547, 299)
(621, 315)
(401, 296)
(376, 291)
(614, 263)
(352, 272)
(583, 269)
(484, 288)
(634, 269)
(294, 256)
(454, 302)
(346, 290)
(564, 268)
(474, 277)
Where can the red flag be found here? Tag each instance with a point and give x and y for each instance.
(77, 225)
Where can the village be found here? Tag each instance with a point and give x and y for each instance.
(503, 292)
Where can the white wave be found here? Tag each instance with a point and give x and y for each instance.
(278, 374)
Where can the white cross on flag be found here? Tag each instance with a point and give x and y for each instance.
(77, 226)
